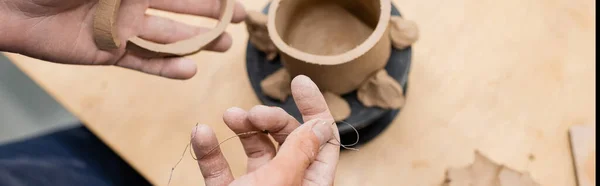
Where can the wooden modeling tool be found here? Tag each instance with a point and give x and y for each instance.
(106, 37)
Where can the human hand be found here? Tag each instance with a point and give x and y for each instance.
(304, 156)
(61, 31)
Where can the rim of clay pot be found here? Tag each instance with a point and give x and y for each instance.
(382, 24)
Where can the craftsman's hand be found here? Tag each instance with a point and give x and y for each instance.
(61, 31)
(304, 157)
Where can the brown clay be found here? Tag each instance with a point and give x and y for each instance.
(326, 24)
(484, 172)
(342, 45)
(277, 85)
(509, 177)
(106, 16)
(339, 108)
(337, 43)
(403, 32)
(256, 23)
(381, 90)
(105, 30)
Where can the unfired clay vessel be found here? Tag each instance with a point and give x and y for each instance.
(106, 33)
(342, 45)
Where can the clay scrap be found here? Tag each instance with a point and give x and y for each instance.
(583, 149)
(256, 24)
(381, 90)
(277, 85)
(484, 172)
(403, 32)
(105, 33)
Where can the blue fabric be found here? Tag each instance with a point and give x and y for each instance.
(70, 157)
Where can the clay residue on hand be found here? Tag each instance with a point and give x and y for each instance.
(381, 90)
(485, 172)
(256, 23)
(277, 85)
(339, 108)
(403, 32)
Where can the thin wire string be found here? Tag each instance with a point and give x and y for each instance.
(182, 154)
(188, 146)
(348, 147)
(218, 145)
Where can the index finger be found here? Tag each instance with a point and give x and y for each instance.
(207, 8)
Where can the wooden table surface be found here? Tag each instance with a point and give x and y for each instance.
(505, 77)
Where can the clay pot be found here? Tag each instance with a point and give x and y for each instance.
(337, 43)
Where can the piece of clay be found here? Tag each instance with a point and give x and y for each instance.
(149, 49)
(256, 23)
(509, 177)
(105, 29)
(484, 172)
(335, 43)
(339, 108)
(583, 149)
(381, 90)
(277, 85)
(403, 32)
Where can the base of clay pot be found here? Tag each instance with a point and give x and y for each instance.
(369, 121)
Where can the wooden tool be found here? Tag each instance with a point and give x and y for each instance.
(106, 37)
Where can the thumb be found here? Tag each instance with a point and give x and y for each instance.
(301, 147)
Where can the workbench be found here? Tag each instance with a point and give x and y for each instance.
(506, 78)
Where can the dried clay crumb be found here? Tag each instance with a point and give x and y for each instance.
(484, 172)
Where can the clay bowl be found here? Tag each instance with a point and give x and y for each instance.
(337, 43)
(370, 121)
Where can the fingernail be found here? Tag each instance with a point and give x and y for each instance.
(322, 131)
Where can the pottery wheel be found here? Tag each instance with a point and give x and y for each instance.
(370, 121)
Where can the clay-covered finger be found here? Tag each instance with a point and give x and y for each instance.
(174, 68)
(273, 119)
(299, 151)
(164, 31)
(207, 8)
(258, 147)
(309, 99)
(312, 105)
(212, 163)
